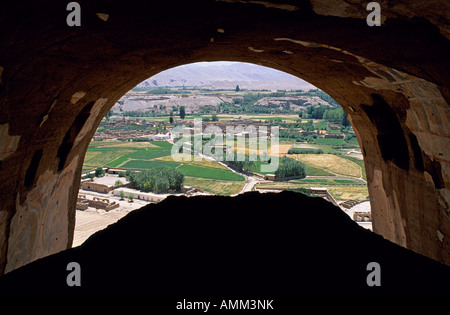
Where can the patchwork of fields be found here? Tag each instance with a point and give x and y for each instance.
(207, 175)
(343, 176)
(339, 192)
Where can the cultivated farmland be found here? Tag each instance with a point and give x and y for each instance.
(205, 174)
(331, 163)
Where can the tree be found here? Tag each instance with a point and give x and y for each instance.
(290, 167)
(146, 186)
(99, 172)
(171, 118)
(334, 115)
(308, 126)
(348, 137)
(182, 112)
(131, 197)
(161, 184)
(108, 115)
(122, 195)
(237, 88)
(246, 165)
(214, 117)
(159, 179)
(316, 112)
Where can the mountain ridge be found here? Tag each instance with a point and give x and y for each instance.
(226, 75)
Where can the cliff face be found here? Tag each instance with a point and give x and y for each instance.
(57, 82)
(252, 244)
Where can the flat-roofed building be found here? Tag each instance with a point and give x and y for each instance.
(103, 184)
(146, 196)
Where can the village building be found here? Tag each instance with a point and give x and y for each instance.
(270, 177)
(99, 203)
(146, 196)
(359, 211)
(122, 134)
(334, 126)
(116, 171)
(103, 184)
(160, 137)
(322, 192)
(333, 136)
(362, 216)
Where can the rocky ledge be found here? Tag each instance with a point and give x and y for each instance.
(252, 244)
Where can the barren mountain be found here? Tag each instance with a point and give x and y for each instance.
(226, 75)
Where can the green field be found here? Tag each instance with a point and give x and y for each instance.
(207, 172)
(327, 180)
(344, 176)
(322, 169)
(104, 156)
(215, 186)
(339, 192)
(117, 153)
(145, 164)
(207, 175)
(328, 141)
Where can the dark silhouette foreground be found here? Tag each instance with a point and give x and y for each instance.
(252, 244)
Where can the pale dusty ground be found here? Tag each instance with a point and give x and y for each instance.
(92, 220)
(361, 207)
(355, 154)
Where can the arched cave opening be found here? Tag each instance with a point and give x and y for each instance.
(57, 83)
(139, 132)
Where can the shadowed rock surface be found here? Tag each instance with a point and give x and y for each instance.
(251, 244)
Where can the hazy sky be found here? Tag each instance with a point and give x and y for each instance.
(215, 63)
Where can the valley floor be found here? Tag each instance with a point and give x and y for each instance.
(342, 174)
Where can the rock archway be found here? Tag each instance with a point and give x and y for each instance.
(57, 82)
